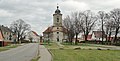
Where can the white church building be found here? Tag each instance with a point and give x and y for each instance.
(56, 32)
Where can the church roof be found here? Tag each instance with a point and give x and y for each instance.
(50, 30)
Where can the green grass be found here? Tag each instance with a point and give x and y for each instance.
(12, 46)
(8, 47)
(85, 55)
(51, 45)
(69, 54)
(3, 49)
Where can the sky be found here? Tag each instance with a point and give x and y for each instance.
(39, 13)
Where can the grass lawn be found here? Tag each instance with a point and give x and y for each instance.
(51, 45)
(82, 54)
(3, 49)
(85, 55)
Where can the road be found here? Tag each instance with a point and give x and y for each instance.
(21, 53)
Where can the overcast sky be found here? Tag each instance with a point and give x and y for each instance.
(38, 13)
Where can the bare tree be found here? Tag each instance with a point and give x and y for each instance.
(76, 17)
(68, 24)
(109, 27)
(19, 27)
(116, 17)
(102, 18)
(87, 22)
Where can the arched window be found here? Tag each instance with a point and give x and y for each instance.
(57, 27)
(57, 19)
(57, 32)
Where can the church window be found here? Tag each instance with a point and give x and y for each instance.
(57, 32)
(57, 19)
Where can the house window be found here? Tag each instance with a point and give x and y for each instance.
(95, 36)
(8, 38)
(4, 32)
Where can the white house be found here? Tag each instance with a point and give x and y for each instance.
(32, 36)
(97, 35)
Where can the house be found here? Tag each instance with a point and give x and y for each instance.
(1, 38)
(32, 36)
(113, 36)
(89, 37)
(56, 32)
(97, 35)
(6, 36)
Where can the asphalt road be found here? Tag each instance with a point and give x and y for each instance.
(22, 53)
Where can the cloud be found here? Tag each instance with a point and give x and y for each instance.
(4, 13)
(69, 6)
(39, 13)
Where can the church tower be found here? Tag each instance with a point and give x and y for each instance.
(56, 32)
(57, 18)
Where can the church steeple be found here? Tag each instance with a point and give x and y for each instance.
(57, 17)
(57, 11)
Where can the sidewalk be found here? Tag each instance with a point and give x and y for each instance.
(44, 54)
(60, 44)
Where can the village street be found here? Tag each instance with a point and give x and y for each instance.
(22, 53)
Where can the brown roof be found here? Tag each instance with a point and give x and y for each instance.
(35, 33)
(98, 34)
(64, 29)
(49, 29)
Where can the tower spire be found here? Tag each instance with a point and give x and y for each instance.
(57, 6)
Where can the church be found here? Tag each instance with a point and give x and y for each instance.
(56, 32)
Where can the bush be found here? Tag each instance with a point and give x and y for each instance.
(90, 49)
(108, 49)
(117, 44)
(99, 49)
(61, 48)
(77, 48)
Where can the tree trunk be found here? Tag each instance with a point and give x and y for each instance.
(86, 38)
(76, 41)
(18, 38)
(116, 32)
(109, 37)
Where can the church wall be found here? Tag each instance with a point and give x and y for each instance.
(55, 36)
(55, 23)
(55, 28)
